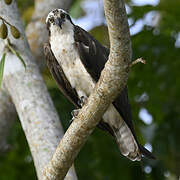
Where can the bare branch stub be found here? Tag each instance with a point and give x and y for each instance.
(139, 60)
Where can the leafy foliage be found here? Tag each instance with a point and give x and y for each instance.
(17, 163)
(76, 11)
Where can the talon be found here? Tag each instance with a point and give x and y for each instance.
(79, 102)
(71, 120)
(74, 113)
(82, 101)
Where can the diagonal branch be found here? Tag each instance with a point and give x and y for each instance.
(113, 79)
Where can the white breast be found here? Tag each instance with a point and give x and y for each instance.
(65, 51)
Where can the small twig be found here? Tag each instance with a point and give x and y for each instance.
(5, 21)
(10, 46)
(139, 60)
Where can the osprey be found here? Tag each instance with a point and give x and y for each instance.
(75, 60)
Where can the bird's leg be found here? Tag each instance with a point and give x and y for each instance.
(74, 113)
(82, 101)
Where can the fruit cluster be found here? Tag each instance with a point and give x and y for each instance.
(4, 30)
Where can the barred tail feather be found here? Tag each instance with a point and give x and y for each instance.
(128, 146)
(125, 138)
(146, 153)
(127, 143)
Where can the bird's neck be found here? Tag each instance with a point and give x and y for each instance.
(67, 28)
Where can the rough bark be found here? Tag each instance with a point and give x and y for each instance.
(7, 117)
(112, 81)
(36, 111)
(37, 35)
(36, 30)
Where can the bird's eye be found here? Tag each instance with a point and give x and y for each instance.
(62, 16)
(51, 20)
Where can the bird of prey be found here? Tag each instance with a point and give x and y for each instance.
(75, 60)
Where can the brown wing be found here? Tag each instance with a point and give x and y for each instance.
(63, 83)
(94, 56)
(59, 76)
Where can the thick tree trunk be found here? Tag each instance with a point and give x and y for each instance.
(7, 117)
(37, 35)
(113, 79)
(36, 111)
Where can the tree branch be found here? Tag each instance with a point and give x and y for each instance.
(7, 117)
(139, 60)
(37, 114)
(113, 79)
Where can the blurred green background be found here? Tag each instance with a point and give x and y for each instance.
(154, 93)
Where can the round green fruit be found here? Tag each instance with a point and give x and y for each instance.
(15, 32)
(3, 31)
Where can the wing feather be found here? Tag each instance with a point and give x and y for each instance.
(94, 61)
(59, 76)
(94, 56)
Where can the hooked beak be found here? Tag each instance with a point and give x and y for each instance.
(59, 22)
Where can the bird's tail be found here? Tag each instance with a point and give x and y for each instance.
(128, 145)
(145, 152)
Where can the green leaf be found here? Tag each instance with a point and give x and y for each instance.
(76, 10)
(17, 54)
(2, 67)
(21, 59)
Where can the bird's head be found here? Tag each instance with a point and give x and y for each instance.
(59, 19)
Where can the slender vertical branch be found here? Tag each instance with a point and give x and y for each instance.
(112, 81)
